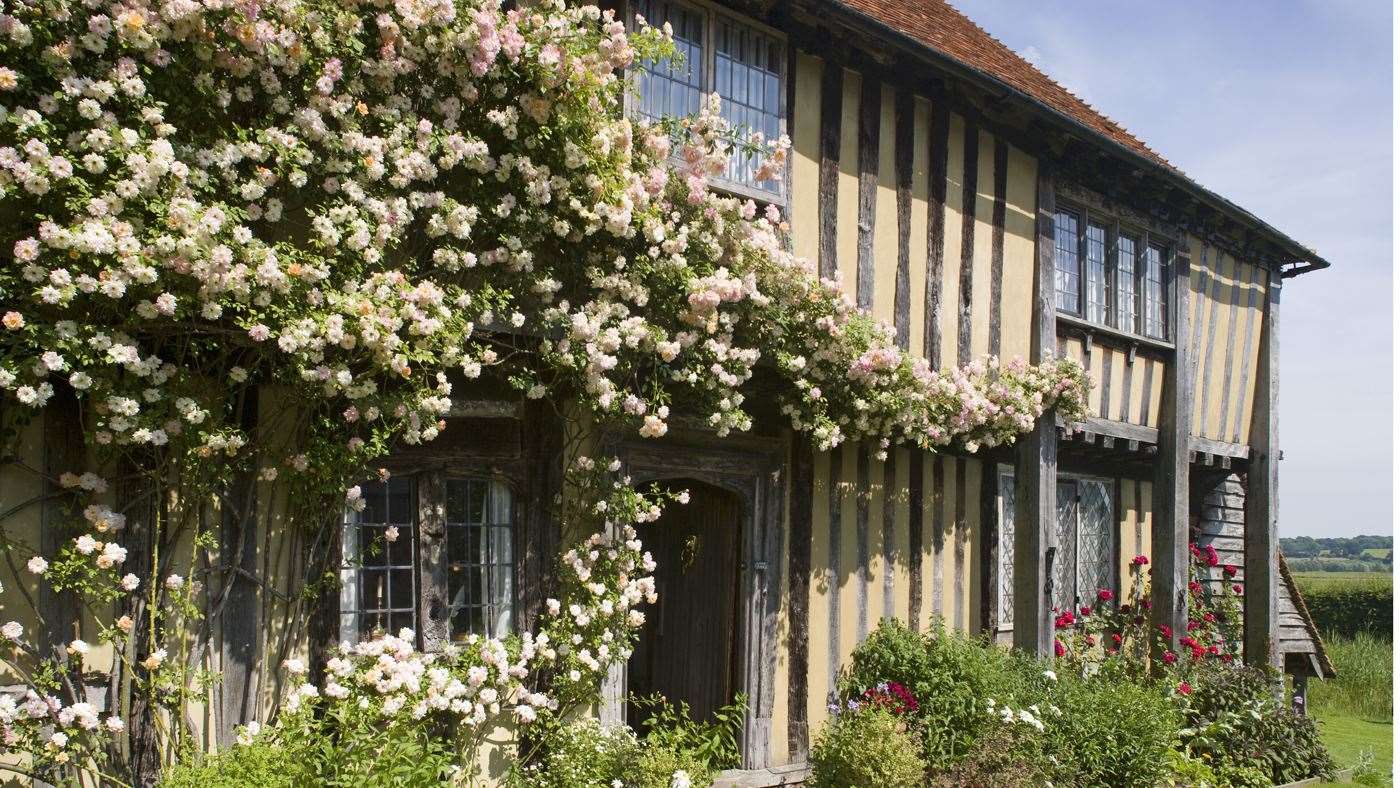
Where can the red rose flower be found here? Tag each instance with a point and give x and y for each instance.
(1059, 648)
(1184, 688)
(1165, 631)
(1230, 570)
(1169, 658)
(1238, 589)
(1089, 640)
(1140, 560)
(1105, 595)
(1117, 638)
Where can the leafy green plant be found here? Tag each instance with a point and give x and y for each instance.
(1234, 719)
(951, 675)
(1102, 731)
(262, 763)
(584, 753)
(866, 746)
(1365, 772)
(1352, 607)
(714, 743)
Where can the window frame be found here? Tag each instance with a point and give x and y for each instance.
(1079, 480)
(509, 455)
(712, 12)
(351, 573)
(1144, 238)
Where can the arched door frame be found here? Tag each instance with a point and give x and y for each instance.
(751, 468)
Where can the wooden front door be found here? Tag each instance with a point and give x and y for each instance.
(687, 647)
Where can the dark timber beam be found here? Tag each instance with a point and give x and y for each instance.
(64, 452)
(239, 623)
(1261, 497)
(1036, 457)
(1171, 477)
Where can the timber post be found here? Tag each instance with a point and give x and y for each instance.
(239, 621)
(1171, 482)
(1261, 569)
(1037, 457)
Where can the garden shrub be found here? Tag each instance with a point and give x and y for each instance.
(869, 746)
(585, 753)
(1102, 731)
(265, 763)
(1234, 719)
(715, 744)
(950, 674)
(1352, 607)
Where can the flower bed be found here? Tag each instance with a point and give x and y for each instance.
(1121, 704)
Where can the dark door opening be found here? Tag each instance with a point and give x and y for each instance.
(687, 649)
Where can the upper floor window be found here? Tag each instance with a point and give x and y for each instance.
(382, 568)
(718, 53)
(1111, 274)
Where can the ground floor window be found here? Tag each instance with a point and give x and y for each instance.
(1084, 558)
(382, 569)
(1083, 564)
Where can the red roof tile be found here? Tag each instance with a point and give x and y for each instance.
(943, 28)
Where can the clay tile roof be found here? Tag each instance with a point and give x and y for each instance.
(943, 28)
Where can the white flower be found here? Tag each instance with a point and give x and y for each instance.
(38, 565)
(391, 534)
(115, 724)
(294, 666)
(680, 779)
(12, 631)
(78, 648)
(87, 545)
(247, 733)
(130, 582)
(174, 582)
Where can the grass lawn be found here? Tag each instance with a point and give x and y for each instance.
(1350, 737)
(1354, 710)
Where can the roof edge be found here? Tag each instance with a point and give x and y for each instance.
(1306, 259)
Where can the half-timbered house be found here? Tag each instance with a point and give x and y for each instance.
(980, 208)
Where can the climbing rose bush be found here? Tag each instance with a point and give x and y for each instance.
(1106, 634)
(350, 209)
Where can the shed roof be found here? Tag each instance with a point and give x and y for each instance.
(937, 26)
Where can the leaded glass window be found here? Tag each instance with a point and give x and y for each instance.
(1093, 556)
(1154, 292)
(1083, 557)
(1126, 276)
(672, 87)
(378, 591)
(1109, 274)
(382, 568)
(1095, 284)
(1006, 542)
(480, 558)
(1067, 261)
(717, 52)
(1062, 572)
(748, 72)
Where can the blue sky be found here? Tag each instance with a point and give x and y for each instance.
(1285, 108)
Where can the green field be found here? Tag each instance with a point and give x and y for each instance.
(1325, 578)
(1355, 709)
